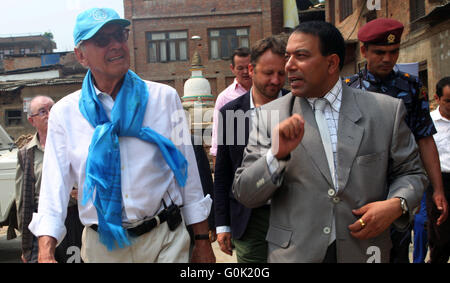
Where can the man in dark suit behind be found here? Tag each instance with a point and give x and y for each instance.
(247, 227)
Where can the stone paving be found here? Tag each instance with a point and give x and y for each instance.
(222, 257)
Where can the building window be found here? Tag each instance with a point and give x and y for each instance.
(417, 10)
(371, 15)
(167, 46)
(222, 42)
(331, 11)
(9, 52)
(423, 74)
(13, 117)
(25, 51)
(345, 9)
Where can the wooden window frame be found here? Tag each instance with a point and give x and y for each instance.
(166, 42)
(345, 9)
(227, 35)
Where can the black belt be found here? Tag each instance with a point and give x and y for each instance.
(143, 228)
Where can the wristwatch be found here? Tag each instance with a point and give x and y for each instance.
(403, 205)
(210, 236)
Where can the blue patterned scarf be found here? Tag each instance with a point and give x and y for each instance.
(103, 161)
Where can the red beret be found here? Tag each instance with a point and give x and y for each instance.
(381, 32)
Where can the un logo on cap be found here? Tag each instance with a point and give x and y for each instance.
(99, 15)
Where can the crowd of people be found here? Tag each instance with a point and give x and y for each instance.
(333, 170)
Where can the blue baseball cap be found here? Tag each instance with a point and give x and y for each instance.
(91, 21)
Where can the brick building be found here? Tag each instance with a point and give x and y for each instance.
(15, 94)
(161, 31)
(66, 60)
(25, 45)
(425, 40)
(29, 67)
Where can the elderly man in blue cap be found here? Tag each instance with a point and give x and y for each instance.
(115, 139)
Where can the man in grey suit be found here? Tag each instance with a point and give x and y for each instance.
(337, 177)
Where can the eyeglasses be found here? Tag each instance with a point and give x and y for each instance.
(42, 112)
(103, 39)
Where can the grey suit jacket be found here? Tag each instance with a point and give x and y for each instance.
(377, 159)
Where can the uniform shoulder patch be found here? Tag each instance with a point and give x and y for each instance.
(351, 79)
(409, 77)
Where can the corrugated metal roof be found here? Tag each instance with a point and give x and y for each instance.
(32, 69)
(9, 88)
(12, 86)
(438, 14)
(16, 39)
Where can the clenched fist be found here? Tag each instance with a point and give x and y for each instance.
(287, 135)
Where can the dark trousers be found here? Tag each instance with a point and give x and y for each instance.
(438, 236)
(400, 245)
(65, 249)
(72, 239)
(252, 246)
(34, 251)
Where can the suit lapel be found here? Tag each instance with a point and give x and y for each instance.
(349, 135)
(311, 142)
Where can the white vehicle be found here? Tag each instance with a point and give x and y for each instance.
(8, 161)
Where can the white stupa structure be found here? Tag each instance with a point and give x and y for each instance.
(197, 98)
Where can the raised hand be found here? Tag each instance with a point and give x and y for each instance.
(287, 135)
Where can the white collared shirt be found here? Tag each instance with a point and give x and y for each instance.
(146, 178)
(252, 104)
(442, 139)
(331, 112)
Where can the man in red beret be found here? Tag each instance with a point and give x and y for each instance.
(381, 46)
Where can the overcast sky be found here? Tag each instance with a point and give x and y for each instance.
(22, 17)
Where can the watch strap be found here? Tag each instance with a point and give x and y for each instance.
(201, 237)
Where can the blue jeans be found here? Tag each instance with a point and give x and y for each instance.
(420, 233)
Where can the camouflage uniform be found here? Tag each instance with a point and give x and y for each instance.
(406, 87)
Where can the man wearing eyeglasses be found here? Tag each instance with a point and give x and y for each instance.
(28, 184)
(113, 138)
(29, 172)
